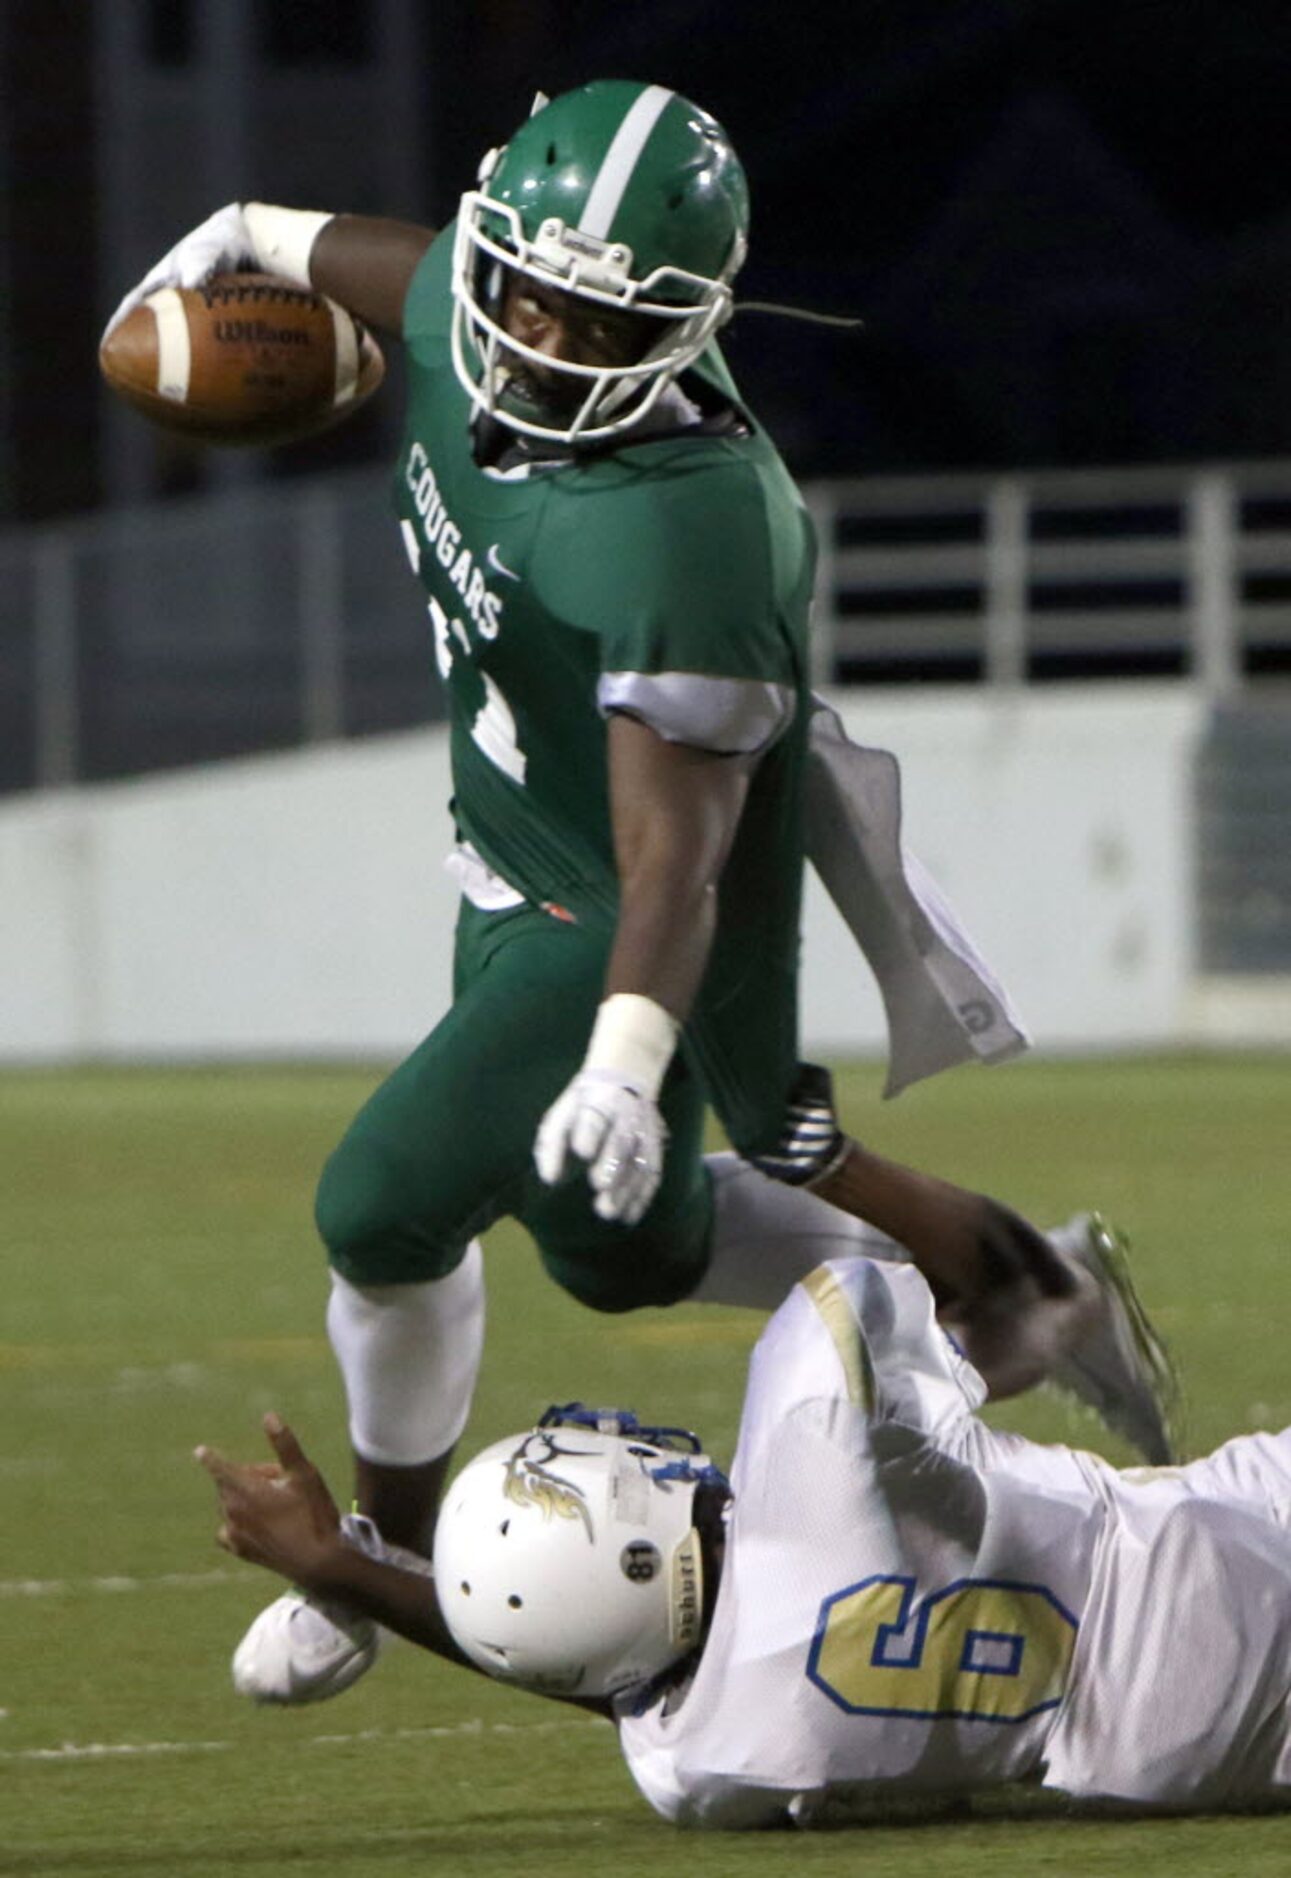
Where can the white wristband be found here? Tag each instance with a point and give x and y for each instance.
(633, 1037)
(282, 238)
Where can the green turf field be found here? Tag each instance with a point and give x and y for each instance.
(162, 1288)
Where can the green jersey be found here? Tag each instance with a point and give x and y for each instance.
(669, 575)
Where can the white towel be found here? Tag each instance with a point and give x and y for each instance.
(943, 1003)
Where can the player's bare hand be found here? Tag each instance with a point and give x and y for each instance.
(220, 245)
(616, 1131)
(279, 1513)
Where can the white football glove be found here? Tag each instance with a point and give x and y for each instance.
(222, 245)
(608, 1116)
(617, 1130)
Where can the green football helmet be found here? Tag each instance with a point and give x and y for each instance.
(627, 197)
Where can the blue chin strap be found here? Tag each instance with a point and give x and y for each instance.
(609, 1421)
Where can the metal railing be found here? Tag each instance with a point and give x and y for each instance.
(1022, 577)
(249, 620)
(284, 614)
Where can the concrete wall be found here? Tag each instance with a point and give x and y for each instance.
(297, 904)
(1060, 826)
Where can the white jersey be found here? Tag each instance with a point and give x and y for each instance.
(913, 1604)
(1180, 1690)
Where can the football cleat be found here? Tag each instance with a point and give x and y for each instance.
(1120, 1367)
(300, 1649)
(304, 1649)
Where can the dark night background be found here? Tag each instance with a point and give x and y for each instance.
(1067, 223)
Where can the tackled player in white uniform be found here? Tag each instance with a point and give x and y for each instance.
(913, 1603)
(896, 1600)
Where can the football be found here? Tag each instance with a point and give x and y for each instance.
(244, 359)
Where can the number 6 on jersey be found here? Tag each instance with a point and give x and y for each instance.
(979, 1650)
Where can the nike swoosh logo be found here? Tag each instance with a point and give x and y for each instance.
(498, 566)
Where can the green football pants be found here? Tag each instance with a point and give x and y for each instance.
(444, 1146)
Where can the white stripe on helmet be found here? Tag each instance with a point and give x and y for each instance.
(626, 146)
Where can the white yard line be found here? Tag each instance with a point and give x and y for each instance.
(172, 1581)
(110, 1750)
(120, 1750)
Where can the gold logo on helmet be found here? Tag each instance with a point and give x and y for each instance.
(530, 1482)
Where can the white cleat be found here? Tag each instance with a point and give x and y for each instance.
(1119, 1366)
(301, 1649)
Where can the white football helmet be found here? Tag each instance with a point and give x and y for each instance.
(567, 1558)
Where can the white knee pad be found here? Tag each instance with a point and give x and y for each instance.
(767, 1236)
(409, 1355)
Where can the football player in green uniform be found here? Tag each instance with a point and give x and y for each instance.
(617, 570)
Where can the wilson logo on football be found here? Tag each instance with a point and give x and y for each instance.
(259, 333)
